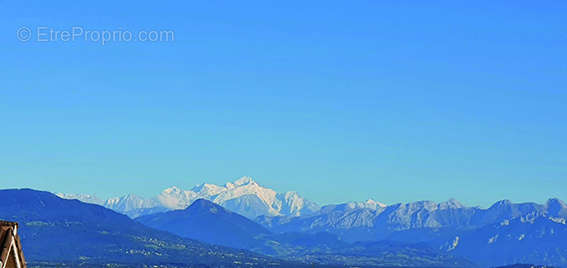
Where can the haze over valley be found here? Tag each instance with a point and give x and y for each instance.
(243, 214)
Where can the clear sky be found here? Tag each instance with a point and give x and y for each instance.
(338, 100)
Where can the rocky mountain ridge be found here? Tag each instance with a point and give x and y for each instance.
(244, 196)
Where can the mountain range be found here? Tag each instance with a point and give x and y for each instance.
(211, 223)
(527, 239)
(244, 196)
(208, 222)
(61, 232)
(285, 225)
(381, 222)
(504, 233)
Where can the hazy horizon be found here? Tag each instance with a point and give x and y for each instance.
(158, 191)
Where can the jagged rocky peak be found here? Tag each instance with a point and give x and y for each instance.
(451, 203)
(369, 203)
(354, 205)
(372, 202)
(87, 198)
(208, 189)
(244, 181)
(502, 203)
(243, 195)
(132, 205)
(172, 189)
(419, 205)
(114, 200)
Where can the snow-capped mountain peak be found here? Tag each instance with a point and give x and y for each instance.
(373, 203)
(368, 204)
(129, 202)
(176, 198)
(244, 180)
(244, 196)
(451, 203)
(87, 198)
(172, 189)
(208, 189)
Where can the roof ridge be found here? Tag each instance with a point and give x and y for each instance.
(8, 223)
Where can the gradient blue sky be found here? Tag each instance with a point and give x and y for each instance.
(338, 100)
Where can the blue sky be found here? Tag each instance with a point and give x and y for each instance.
(396, 101)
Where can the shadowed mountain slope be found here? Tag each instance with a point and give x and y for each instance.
(206, 221)
(69, 231)
(209, 222)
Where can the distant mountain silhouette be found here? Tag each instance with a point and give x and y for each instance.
(69, 231)
(206, 221)
(501, 234)
(534, 239)
(367, 234)
(355, 223)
